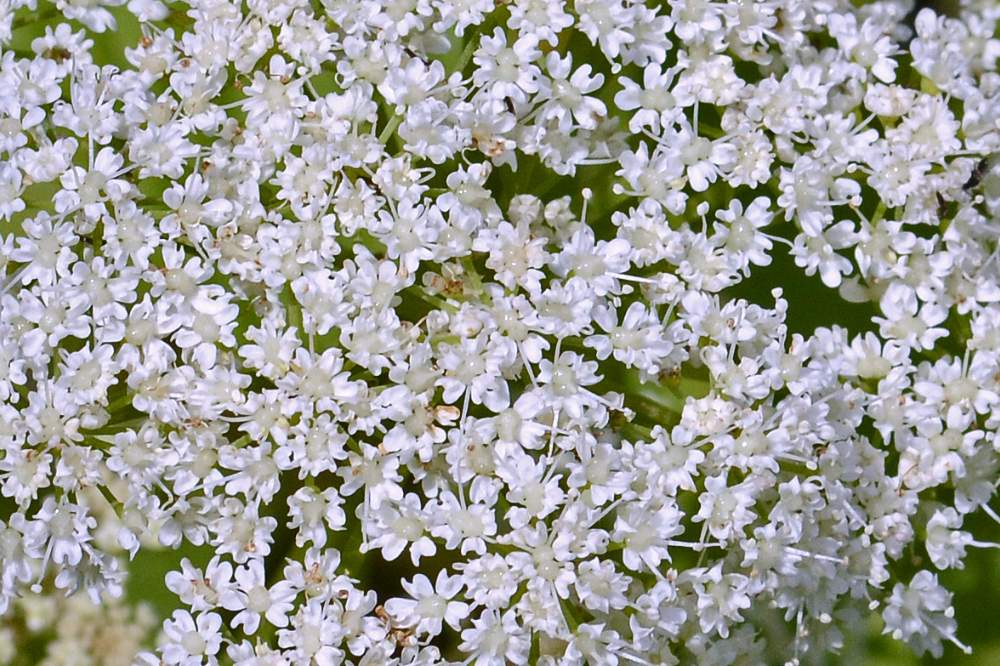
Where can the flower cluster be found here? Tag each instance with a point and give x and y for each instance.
(53, 630)
(422, 320)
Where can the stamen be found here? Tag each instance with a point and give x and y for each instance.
(633, 278)
(982, 544)
(990, 512)
(635, 659)
(950, 635)
(864, 123)
(817, 556)
(700, 546)
(458, 458)
(16, 277)
(588, 194)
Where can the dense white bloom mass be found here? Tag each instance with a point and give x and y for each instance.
(440, 331)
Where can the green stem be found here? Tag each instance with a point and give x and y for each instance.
(97, 238)
(467, 52)
(571, 621)
(120, 404)
(639, 430)
(116, 427)
(470, 269)
(431, 299)
(389, 129)
(95, 443)
(39, 16)
(293, 309)
(242, 441)
(879, 214)
(660, 395)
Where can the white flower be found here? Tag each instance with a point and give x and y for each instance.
(192, 640)
(644, 535)
(921, 614)
(11, 189)
(430, 605)
(568, 91)
(424, 284)
(817, 253)
(721, 597)
(474, 370)
(463, 527)
(494, 639)
(638, 341)
(507, 71)
(865, 45)
(403, 527)
(201, 591)
(250, 598)
(607, 24)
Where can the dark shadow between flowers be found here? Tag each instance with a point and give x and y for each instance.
(811, 304)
